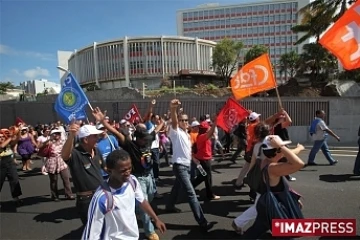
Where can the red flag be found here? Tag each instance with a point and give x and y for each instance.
(231, 114)
(18, 120)
(133, 114)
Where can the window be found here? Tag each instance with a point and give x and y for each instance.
(261, 8)
(282, 17)
(185, 15)
(261, 30)
(196, 14)
(272, 7)
(227, 11)
(201, 15)
(272, 18)
(191, 15)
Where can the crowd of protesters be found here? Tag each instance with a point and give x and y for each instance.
(115, 165)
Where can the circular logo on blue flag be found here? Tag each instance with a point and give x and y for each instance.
(69, 99)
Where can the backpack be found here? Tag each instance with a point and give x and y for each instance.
(253, 177)
(109, 196)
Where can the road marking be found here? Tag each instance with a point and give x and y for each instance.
(343, 155)
(343, 151)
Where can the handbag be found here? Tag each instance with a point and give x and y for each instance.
(279, 205)
(45, 151)
(253, 177)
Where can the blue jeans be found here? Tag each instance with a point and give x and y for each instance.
(147, 186)
(320, 144)
(182, 181)
(357, 161)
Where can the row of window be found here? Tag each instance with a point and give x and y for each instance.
(240, 10)
(234, 21)
(240, 31)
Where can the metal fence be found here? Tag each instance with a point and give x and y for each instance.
(301, 111)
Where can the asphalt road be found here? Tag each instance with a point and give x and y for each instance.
(329, 192)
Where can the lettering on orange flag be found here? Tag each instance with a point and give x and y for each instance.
(256, 76)
(343, 38)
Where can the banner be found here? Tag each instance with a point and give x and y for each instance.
(71, 101)
(256, 76)
(231, 114)
(133, 114)
(343, 38)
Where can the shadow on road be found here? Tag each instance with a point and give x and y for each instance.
(57, 216)
(338, 177)
(9, 206)
(195, 233)
(75, 234)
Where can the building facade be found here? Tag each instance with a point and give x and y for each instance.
(266, 23)
(35, 87)
(130, 62)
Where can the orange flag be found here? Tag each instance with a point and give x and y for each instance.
(256, 76)
(343, 38)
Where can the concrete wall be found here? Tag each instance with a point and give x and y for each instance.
(343, 113)
(344, 120)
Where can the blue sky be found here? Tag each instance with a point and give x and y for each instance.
(32, 31)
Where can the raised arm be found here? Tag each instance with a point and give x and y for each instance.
(69, 144)
(150, 111)
(288, 120)
(173, 113)
(100, 117)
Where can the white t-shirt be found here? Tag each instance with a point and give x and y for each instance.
(120, 222)
(42, 139)
(320, 131)
(181, 146)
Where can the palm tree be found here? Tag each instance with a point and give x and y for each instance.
(289, 64)
(318, 15)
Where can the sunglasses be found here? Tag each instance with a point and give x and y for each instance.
(184, 120)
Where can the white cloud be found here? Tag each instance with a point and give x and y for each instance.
(36, 72)
(6, 50)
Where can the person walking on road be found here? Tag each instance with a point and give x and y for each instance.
(319, 132)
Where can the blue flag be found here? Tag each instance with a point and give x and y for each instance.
(71, 102)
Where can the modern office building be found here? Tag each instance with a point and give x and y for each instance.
(35, 87)
(130, 62)
(266, 23)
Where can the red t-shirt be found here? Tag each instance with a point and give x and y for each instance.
(204, 149)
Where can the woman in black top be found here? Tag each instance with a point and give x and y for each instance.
(273, 149)
(8, 167)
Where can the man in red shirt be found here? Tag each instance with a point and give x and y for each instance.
(203, 157)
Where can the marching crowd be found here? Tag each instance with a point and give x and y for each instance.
(115, 167)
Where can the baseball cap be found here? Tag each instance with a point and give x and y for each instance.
(195, 124)
(123, 121)
(99, 126)
(55, 131)
(24, 128)
(266, 144)
(253, 116)
(88, 130)
(204, 125)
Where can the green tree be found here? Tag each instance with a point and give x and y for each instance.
(318, 15)
(255, 52)
(4, 86)
(289, 63)
(318, 60)
(225, 58)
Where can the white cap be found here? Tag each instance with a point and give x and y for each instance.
(208, 120)
(88, 130)
(253, 116)
(99, 126)
(24, 128)
(122, 121)
(266, 145)
(55, 131)
(195, 124)
(107, 117)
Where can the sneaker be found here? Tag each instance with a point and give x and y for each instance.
(153, 236)
(334, 163)
(237, 229)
